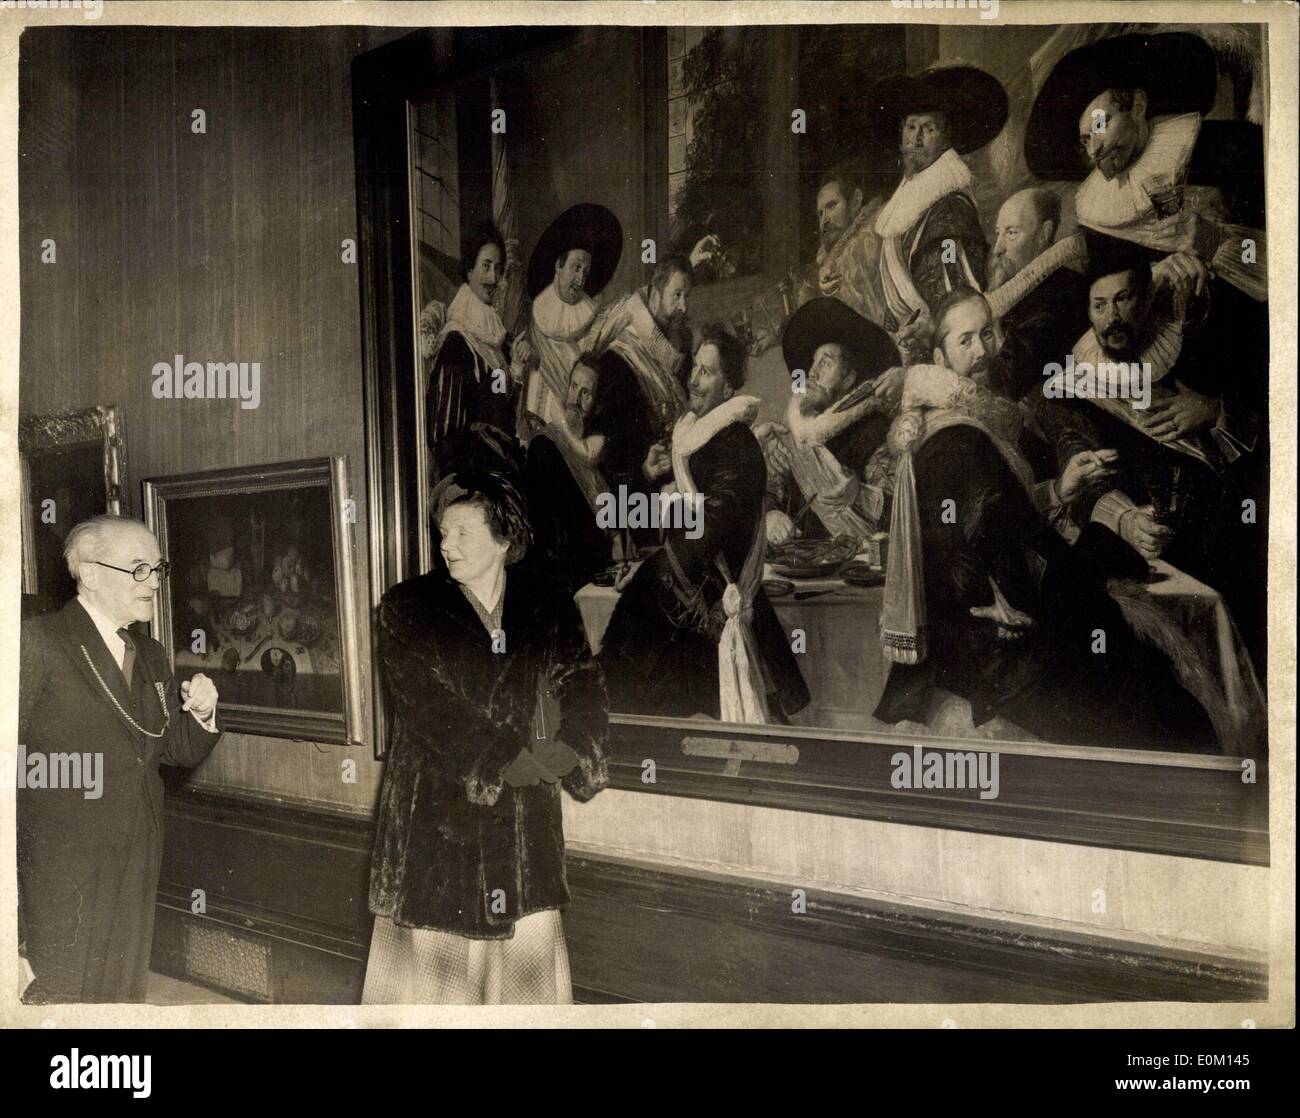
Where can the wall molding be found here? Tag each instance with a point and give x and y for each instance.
(292, 881)
(1082, 796)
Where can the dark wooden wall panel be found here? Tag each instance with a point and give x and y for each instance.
(222, 246)
(641, 932)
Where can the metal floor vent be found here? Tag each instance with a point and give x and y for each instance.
(228, 961)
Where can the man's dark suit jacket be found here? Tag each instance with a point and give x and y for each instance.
(66, 841)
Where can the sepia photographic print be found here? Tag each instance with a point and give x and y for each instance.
(661, 514)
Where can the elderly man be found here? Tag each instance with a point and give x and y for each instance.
(89, 856)
(841, 405)
(848, 253)
(930, 230)
(1038, 300)
(693, 632)
(983, 598)
(573, 262)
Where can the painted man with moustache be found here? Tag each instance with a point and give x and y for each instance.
(992, 604)
(1191, 454)
(572, 264)
(931, 240)
(649, 336)
(88, 865)
(1037, 297)
(693, 633)
(476, 368)
(848, 252)
(571, 464)
(816, 459)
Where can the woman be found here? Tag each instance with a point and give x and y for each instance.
(467, 876)
(472, 380)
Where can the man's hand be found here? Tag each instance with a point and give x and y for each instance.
(889, 385)
(199, 694)
(1184, 273)
(842, 496)
(1183, 414)
(780, 528)
(1012, 623)
(707, 247)
(1138, 529)
(913, 340)
(658, 462)
(1086, 466)
(522, 356)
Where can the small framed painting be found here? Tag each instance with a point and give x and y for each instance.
(261, 596)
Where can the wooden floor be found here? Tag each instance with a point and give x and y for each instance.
(171, 991)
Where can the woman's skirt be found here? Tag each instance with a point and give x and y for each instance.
(421, 966)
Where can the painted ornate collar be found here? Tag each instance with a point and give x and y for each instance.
(946, 175)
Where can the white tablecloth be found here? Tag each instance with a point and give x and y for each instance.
(845, 670)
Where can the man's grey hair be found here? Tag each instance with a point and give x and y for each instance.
(88, 541)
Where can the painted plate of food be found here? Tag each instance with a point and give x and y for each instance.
(812, 558)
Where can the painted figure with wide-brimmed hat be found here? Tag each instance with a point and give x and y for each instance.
(573, 262)
(1126, 115)
(841, 402)
(929, 229)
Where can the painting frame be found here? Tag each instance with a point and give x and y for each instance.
(1093, 796)
(350, 725)
(61, 432)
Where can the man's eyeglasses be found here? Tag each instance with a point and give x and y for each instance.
(141, 571)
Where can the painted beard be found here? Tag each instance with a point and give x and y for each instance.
(831, 235)
(1117, 340)
(1001, 269)
(671, 324)
(575, 421)
(815, 400)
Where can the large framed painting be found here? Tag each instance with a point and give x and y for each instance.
(754, 280)
(261, 597)
(72, 467)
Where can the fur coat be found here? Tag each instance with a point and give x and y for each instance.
(456, 848)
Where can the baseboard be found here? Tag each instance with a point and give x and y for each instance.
(284, 920)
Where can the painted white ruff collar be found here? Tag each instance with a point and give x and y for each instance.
(817, 430)
(470, 315)
(564, 322)
(741, 689)
(694, 431)
(1107, 204)
(946, 175)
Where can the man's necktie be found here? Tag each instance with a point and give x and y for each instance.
(128, 660)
